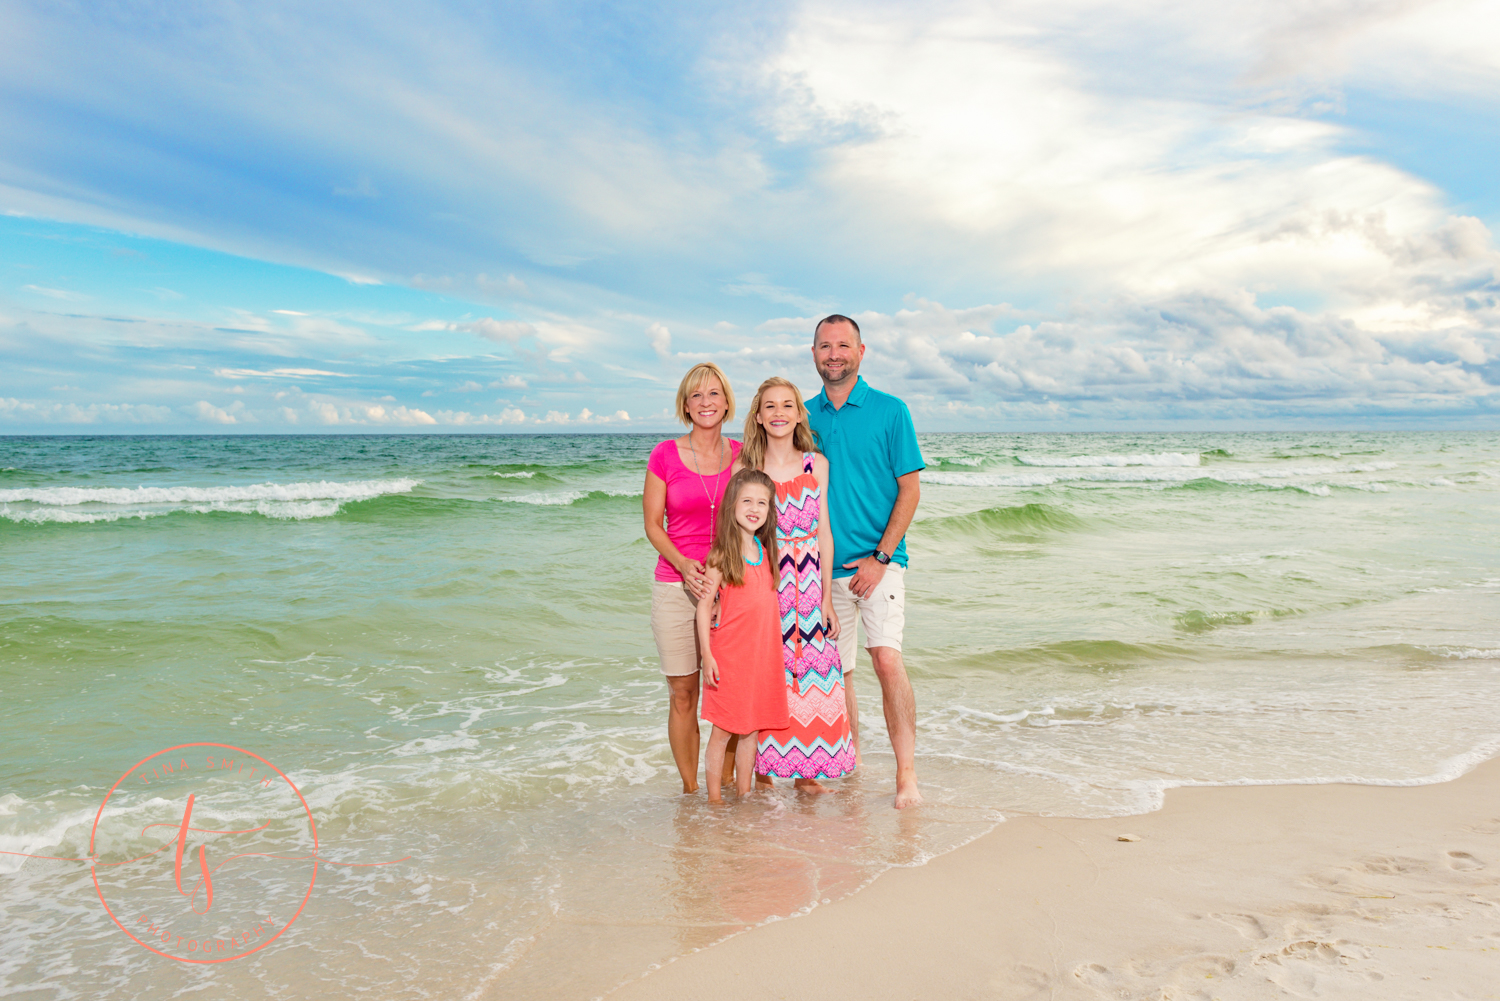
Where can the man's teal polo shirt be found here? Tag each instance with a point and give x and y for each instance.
(869, 442)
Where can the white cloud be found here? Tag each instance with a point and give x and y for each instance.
(585, 416)
(509, 284)
(661, 339)
(205, 411)
(379, 414)
(499, 331)
(1209, 355)
(30, 411)
(56, 293)
(510, 415)
(761, 286)
(276, 373)
(972, 137)
(1163, 190)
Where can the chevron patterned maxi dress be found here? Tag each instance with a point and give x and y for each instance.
(815, 744)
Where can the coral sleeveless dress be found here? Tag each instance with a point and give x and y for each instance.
(747, 646)
(815, 743)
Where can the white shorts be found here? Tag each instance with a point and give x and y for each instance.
(882, 614)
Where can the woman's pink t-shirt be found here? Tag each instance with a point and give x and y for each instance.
(688, 519)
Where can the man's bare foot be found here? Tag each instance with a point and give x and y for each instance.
(907, 793)
(812, 786)
(686, 789)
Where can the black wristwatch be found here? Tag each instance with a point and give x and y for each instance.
(883, 559)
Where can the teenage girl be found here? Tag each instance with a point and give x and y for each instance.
(744, 687)
(817, 743)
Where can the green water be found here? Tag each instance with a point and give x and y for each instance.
(443, 641)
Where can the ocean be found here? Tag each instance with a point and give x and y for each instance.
(443, 643)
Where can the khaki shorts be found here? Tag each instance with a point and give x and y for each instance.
(674, 612)
(882, 614)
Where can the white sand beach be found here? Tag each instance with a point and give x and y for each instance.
(1308, 891)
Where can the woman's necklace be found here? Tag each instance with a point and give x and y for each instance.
(712, 501)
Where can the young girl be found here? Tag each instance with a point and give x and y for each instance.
(816, 742)
(743, 687)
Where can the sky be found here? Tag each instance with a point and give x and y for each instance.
(1065, 215)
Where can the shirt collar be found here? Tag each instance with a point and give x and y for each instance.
(857, 395)
(860, 391)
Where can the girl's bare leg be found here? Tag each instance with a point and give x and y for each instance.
(682, 728)
(744, 762)
(731, 752)
(714, 766)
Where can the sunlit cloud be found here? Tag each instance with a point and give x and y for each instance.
(275, 373)
(1043, 212)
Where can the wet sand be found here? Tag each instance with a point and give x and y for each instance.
(1331, 891)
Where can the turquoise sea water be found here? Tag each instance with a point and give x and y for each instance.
(443, 641)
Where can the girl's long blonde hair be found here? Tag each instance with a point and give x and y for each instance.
(753, 454)
(727, 555)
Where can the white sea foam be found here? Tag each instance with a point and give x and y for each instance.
(322, 490)
(283, 501)
(547, 500)
(1468, 653)
(563, 497)
(524, 474)
(1156, 474)
(1157, 459)
(43, 839)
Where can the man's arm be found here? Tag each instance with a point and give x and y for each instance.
(868, 572)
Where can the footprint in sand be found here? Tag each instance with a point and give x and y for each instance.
(1299, 966)
(1025, 983)
(1387, 865)
(1463, 860)
(1247, 925)
(1197, 978)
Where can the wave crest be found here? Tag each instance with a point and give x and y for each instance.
(1157, 459)
(295, 501)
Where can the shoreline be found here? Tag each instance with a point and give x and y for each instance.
(1231, 892)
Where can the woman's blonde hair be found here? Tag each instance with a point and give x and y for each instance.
(727, 555)
(753, 454)
(695, 378)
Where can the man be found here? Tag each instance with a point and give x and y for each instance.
(874, 463)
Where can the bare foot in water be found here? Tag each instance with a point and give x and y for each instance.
(716, 800)
(907, 793)
(764, 782)
(687, 789)
(812, 786)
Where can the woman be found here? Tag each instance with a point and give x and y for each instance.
(685, 481)
(816, 742)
